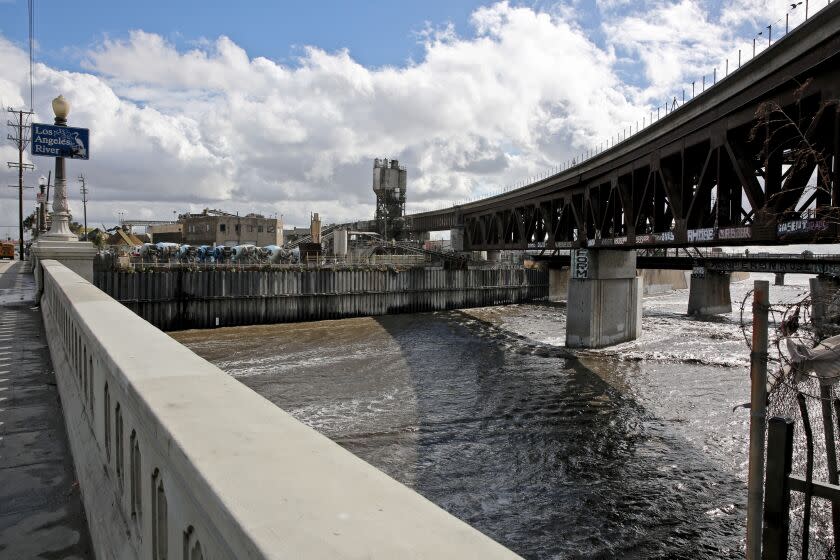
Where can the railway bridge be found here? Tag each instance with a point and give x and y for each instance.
(711, 271)
(751, 161)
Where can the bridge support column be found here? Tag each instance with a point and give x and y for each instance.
(558, 284)
(825, 300)
(605, 299)
(709, 293)
(456, 238)
(780, 279)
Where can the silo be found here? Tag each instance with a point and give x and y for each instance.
(340, 242)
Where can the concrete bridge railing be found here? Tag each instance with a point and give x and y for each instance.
(177, 460)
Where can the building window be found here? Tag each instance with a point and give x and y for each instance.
(250, 229)
(237, 228)
(270, 229)
(222, 227)
(206, 227)
(259, 229)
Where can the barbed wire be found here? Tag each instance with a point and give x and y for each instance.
(792, 323)
(797, 392)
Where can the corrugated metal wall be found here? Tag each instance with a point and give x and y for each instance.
(181, 299)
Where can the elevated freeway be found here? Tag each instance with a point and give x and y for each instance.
(726, 168)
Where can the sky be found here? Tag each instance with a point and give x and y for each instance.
(281, 107)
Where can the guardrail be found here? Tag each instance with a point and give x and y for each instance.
(322, 262)
(178, 460)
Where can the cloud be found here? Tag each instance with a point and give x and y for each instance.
(672, 44)
(213, 126)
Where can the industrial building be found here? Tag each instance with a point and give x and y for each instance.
(215, 227)
(167, 233)
(389, 182)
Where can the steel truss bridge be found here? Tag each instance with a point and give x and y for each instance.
(695, 259)
(731, 167)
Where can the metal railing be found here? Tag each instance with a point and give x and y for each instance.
(310, 262)
(781, 483)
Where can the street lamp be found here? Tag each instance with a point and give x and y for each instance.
(60, 225)
(42, 217)
(61, 108)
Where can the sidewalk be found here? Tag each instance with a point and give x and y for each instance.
(41, 512)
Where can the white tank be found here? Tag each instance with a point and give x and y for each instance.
(340, 242)
(242, 252)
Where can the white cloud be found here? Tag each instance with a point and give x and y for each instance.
(212, 126)
(677, 43)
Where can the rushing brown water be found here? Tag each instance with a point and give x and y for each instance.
(630, 452)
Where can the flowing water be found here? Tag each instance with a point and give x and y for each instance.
(628, 452)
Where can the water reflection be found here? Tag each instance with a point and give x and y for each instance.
(554, 456)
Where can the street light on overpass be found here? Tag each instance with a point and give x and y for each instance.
(60, 225)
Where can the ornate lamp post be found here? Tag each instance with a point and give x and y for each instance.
(59, 243)
(60, 225)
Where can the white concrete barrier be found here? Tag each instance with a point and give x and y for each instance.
(177, 460)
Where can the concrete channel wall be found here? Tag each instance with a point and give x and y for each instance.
(180, 299)
(178, 460)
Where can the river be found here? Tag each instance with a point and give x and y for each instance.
(628, 452)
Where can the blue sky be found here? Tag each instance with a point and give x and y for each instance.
(377, 32)
(282, 107)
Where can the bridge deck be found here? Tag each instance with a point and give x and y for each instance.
(727, 262)
(41, 513)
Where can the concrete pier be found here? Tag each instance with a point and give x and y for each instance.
(709, 293)
(779, 279)
(558, 284)
(456, 239)
(605, 299)
(825, 299)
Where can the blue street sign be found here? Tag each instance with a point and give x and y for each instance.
(59, 141)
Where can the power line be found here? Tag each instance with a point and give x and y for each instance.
(31, 55)
(20, 135)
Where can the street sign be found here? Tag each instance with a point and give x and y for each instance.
(59, 141)
(40, 197)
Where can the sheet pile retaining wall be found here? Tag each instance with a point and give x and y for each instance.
(179, 299)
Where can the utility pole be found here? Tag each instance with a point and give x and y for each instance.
(19, 123)
(84, 203)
